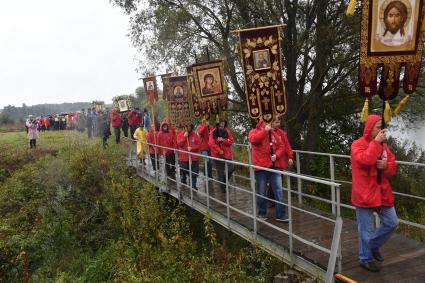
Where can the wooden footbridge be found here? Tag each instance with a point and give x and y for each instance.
(316, 241)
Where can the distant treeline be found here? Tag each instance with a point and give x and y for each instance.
(15, 114)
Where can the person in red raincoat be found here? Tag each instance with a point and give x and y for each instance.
(204, 131)
(266, 149)
(134, 120)
(167, 138)
(285, 159)
(116, 122)
(372, 165)
(220, 142)
(189, 141)
(152, 139)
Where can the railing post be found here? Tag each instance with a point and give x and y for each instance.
(332, 171)
(288, 180)
(254, 199)
(156, 167)
(207, 191)
(299, 184)
(227, 193)
(334, 250)
(338, 215)
(190, 178)
(178, 177)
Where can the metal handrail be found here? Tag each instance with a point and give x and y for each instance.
(339, 155)
(255, 195)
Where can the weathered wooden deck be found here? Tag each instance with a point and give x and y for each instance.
(404, 258)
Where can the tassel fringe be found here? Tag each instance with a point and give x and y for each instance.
(351, 8)
(365, 111)
(423, 25)
(387, 112)
(401, 105)
(193, 87)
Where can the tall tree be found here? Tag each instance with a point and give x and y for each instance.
(320, 50)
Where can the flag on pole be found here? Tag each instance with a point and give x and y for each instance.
(262, 65)
(150, 89)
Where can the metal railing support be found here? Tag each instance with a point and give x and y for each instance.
(299, 184)
(207, 190)
(178, 177)
(288, 180)
(190, 179)
(227, 193)
(334, 251)
(156, 167)
(332, 173)
(252, 183)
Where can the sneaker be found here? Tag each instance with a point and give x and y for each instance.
(377, 256)
(285, 219)
(370, 266)
(262, 217)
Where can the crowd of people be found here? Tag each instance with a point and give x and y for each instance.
(372, 162)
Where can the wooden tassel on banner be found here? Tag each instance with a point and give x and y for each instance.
(351, 8)
(365, 111)
(401, 105)
(387, 112)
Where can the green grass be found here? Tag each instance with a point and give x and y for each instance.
(81, 215)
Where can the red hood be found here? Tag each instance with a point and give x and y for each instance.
(165, 121)
(371, 121)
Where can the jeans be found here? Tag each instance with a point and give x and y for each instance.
(209, 166)
(117, 133)
(221, 172)
(371, 239)
(125, 131)
(170, 163)
(184, 172)
(154, 164)
(275, 179)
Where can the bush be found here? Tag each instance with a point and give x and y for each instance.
(76, 213)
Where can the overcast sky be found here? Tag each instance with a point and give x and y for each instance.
(54, 51)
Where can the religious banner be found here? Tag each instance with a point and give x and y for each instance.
(165, 84)
(262, 65)
(150, 89)
(122, 103)
(98, 105)
(178, 101)
(207, 87)
(391, 43)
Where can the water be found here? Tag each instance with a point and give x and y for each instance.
(412, 133)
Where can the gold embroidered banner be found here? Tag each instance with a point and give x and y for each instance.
(207, 87)
(150, 89)
(391, 40)
(262, 65)
(178, 101)
(122, 103)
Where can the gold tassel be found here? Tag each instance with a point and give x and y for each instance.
(193, 88)
(365, 111)
(423, 25)
(387, 112)
(351, 8)
(401, 105)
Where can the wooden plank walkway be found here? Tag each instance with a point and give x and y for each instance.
(404, 258)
